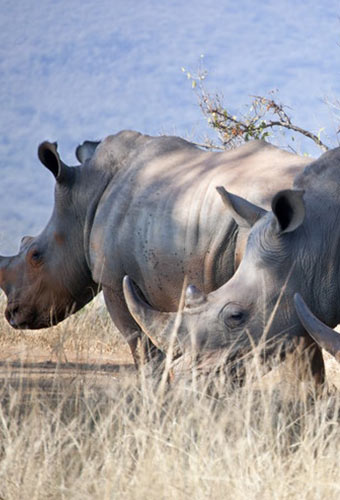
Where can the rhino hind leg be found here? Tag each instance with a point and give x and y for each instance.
(149, 351)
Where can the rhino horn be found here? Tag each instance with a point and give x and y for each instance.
(194, 296)
(49, 156)
(323, 335)
(160, 327)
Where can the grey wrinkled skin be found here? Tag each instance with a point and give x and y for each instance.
(294, 247)
(143, 206)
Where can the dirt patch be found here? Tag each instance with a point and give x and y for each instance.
(32, 368)
(85, 347)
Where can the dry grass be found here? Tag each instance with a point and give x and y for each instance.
(87, 335)
(85, 430)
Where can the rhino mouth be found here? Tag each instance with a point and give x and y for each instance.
(32, 324)
(16, 319)
(20, 319)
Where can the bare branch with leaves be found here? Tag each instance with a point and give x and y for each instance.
(264, 115)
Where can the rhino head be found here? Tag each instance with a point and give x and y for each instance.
(49, 278)
(282, 256)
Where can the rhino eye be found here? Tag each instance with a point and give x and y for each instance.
(233, 315)
(35, 257)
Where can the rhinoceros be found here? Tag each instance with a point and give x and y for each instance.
(326, 338)
(143, 206)
(294, 247)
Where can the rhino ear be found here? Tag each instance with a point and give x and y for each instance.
(289, 210)
(49, 156)
(242, 211)
(86, 150)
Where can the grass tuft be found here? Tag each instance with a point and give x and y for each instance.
(74, 425)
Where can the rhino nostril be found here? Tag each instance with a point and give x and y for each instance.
(10, 312)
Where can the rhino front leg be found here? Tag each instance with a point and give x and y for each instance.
(307, 362)
(120, 315)
(316, 363)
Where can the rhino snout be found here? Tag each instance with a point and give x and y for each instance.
(20, 318)
(10, 314)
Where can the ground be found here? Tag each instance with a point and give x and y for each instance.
(87, 345)
(76, 422)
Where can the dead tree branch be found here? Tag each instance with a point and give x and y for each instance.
(264, 115)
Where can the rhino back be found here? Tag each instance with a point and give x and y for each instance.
(160, 217)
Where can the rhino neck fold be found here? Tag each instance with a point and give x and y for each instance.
(4, 263)
(89, 220)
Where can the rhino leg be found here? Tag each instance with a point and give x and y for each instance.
(307, 362)
(313, 361)
(120, 315)
(317, 365)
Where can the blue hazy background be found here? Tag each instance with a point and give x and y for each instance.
(72, 70)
